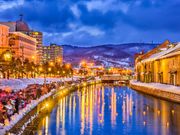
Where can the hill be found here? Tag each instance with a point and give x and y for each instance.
(108, 55)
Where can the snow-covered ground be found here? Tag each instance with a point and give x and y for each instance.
(159, 86)
(17, 84)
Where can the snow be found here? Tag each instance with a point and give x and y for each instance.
(159, 86)
(171, 54)
(17, 84)
(108, 62)
(162, 53)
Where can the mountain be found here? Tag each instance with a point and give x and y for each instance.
(108, 55)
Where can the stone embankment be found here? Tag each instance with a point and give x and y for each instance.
(167, 92)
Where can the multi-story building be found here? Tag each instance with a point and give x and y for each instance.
(38, 36)
(23, 46)
(22, 26)
(53, 53)
(160, 65)
(4, 40)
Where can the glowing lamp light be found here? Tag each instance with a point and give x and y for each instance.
(167, 124)
(47, 105)
(33, 57)
(40, 69)
(7, 56)
(68, 65)
(51, 64)
(49, 69)
(144, 113)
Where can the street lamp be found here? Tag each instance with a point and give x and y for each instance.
(68, 65)
(7, 56)
(51, 63)
(49, 69)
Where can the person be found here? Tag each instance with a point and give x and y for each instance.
(10, 109)
(17, 102)
(38, 93)
(2, 115)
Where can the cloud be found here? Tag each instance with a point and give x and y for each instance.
(108, 5)
(75, 11)
(90, 22)
(10, 4)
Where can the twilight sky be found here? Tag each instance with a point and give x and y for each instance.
(92, 22)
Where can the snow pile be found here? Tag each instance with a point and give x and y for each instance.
(15, 118)
(17, 84)
(159, 86)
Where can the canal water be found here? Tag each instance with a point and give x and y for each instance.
(111, 110)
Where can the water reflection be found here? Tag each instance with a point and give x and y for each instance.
(111, 110)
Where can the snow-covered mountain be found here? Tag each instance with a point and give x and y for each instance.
(108, 55)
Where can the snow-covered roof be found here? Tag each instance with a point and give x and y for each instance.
(162, 53)
(171, 54)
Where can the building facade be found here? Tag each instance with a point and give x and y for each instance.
(21, 26)
(4, 38)
(38, 36)
(53, 53)
(160, 65)
(23, 46)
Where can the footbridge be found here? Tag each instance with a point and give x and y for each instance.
(115, 78)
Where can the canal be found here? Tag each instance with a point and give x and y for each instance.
(110, 110)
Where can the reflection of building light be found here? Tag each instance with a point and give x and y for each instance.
(46, 125)
(113, 104)
(57, 119)
(91, 110)
(82, 112)
(144, 113)
(70, 108)
(144, 123)
(74, 107)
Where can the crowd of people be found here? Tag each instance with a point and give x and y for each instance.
(12, 102)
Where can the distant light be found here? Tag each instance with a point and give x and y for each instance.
(144, 113)
(167, 124)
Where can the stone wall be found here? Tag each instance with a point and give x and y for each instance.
(157, 92)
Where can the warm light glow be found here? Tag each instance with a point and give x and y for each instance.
(59, 60)
(49, 69)
(91, 64)
(33, 57)
(47, 105)
(40, 68)
(51, 63)
(68, 65)
(7, 56)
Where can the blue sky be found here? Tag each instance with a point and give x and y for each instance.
(93, 22)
